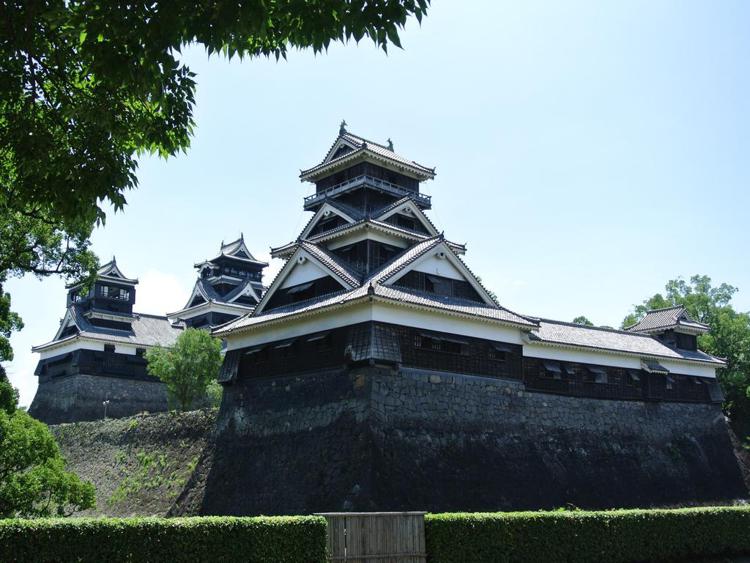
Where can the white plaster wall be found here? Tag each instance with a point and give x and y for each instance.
(302, 273)
(81, 344)
(300, 327)
(439, 267)
(584, 357)
(428, 320)
(689, 369)
(612, 359)
(364, 234)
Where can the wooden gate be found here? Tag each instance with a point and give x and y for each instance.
(376, 537)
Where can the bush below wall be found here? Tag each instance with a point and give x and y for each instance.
(616, 536)
(290, 539)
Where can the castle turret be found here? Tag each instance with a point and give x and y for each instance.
(671, 325)
(98, 354)
(109, 301)
(228, 286)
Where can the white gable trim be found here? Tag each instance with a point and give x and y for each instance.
(291, 263)
(415, 211)
(210, 306)
(249, 290)
(340, 142)
(325, 210)
(444, 252)
(65, 323)
(197, 292)
(368, 231)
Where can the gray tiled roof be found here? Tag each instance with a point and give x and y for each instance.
(401, 295)
(240, 288)
(664, 319)
(331, 262)
(452, 304)
(232, 250)
(556, 332)
(397, 204)
(361, 144)
(411, 234)
(146, 330)
(401, 261)
(383, 150)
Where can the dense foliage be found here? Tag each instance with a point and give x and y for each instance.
(87, 85)
(189, 367)
(729, 337)
(617, 536)
(284, 539)
(33, 480)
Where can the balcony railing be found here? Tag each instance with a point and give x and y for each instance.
(377, 183)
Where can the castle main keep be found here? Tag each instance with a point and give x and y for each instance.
(377, 373)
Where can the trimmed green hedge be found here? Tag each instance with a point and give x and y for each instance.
(298, 539)
(616, 536)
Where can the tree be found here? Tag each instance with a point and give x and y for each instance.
(33, 479)
(729, 337)
(581, 320)
(89, 85)
(188, 367)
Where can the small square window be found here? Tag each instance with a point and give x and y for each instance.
(109, 347)
(140, 352)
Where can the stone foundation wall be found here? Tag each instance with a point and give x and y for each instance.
(79, 397)
(384, 439)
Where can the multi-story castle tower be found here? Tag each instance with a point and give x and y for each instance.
(228, 286)
(95, 362)
(377, 373)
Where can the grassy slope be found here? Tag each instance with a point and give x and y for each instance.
(139, 464)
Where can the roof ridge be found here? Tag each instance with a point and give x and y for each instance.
(665, 308)
(368, 141)
(600, 328)
(379, 277)
(354, 276)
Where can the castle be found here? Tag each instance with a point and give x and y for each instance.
(377, 373)
(95, 365)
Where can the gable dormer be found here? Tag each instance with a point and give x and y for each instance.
(309, 272)
(327, 218)
(406, 214)
(433, 267)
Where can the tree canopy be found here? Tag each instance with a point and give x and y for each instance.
(86, 86)
(582, 320)
(188, 367)
(33, 479)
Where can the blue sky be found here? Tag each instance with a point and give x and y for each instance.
(587, 152)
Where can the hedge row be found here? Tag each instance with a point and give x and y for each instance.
(258, 540)
(616, 536)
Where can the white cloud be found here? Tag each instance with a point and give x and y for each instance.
(160, 293)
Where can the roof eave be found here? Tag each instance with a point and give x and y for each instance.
(372, 298)
(313, 174)
(714, 362)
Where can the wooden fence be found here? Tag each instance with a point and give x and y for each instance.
(376, 537)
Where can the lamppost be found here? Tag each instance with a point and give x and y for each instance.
(105, 404)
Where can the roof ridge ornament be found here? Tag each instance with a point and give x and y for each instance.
(342, 127)
(390, 144)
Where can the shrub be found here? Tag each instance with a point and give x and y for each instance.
(616, 536)
(258, 540)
